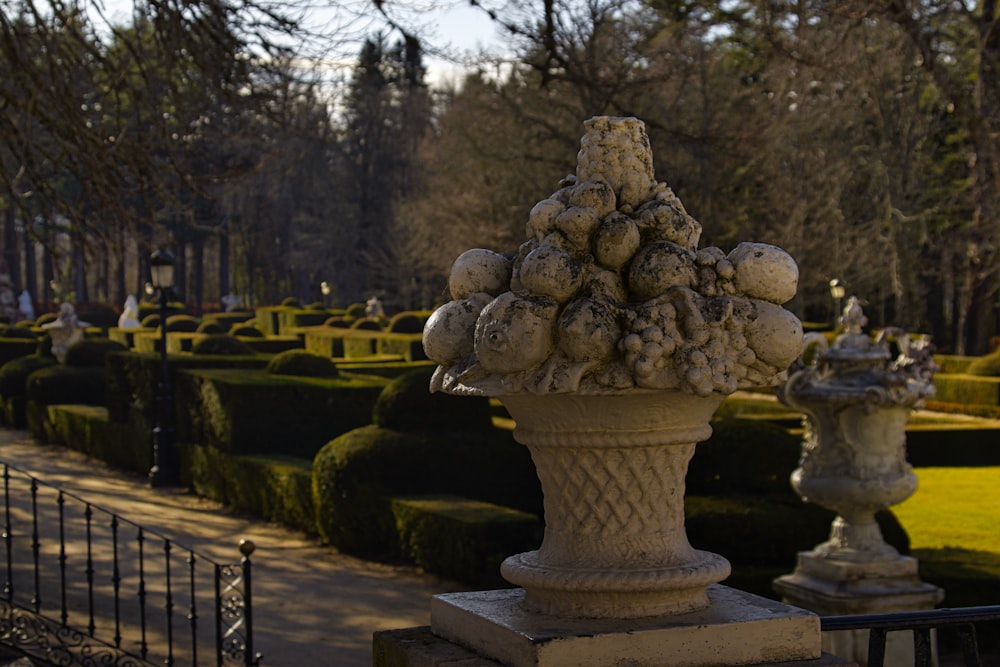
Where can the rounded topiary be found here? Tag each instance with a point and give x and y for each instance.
(291, 302)
(221, 344)
(986, 366)
(151, 321)
(182, 323)
(210, 327)
(367, 324)
(406, 404)
(317, 305)
(406, 322)
(355, 311)
(301, 363)
(45, 318)
(338, 322)
(25, 324)
(247, 330)
(90, 353)
(18, 332)
(14, 374)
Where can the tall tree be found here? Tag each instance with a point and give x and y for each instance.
(388, 112)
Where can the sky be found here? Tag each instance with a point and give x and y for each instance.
(452, 25)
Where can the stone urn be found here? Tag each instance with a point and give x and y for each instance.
(857, 398)
(612, 338)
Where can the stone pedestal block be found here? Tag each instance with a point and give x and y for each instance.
(836, 587)
(737, 628)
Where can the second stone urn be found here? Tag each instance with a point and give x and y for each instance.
(612, 338)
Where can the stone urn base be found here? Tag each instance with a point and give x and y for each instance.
(837, 587)
(736, 628)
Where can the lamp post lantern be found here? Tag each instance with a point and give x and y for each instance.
(165, 470)
(324, 288)
(837, 291)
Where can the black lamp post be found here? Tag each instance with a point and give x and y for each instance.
(837, 291)
(166, 466)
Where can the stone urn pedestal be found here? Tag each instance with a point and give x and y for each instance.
(615, 580)
(857, 400)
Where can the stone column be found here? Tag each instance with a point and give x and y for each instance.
(856, 400)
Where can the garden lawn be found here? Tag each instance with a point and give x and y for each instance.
(953, 521)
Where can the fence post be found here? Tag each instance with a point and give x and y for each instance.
(247, 548)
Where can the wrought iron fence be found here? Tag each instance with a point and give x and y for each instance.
(962, 621)
(84, 586)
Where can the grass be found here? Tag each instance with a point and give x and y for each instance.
(953, 521)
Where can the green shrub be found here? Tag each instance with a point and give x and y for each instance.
(182, 323)
(986, 366)
(744, 456)
(406, 322)
(768, 529)
(133, 378)
(248, 331)
(251, 412)
(407, 404)
(150, 321)
(98, 315)
(45, 318)
(25, 324)
(291, 302)
(366, 324)
(61, 385)
(316, 305)
(356, 475)
(462, 539)
(90, 353)
(338, 321)
(355, 311)
(273, 488)
(966, 389)
(15, 348)
(14, 386)
(210, 327)
(222, 344)
(19, 333)
(301, 363)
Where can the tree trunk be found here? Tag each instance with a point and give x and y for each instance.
(10, 249)
(197, 276)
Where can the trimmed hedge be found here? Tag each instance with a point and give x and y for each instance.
(953, 363)
(221, 344)
(273, 488)
(356, 475)
(133, 378)
(967, 389)
(61, 385)
(91, 353)
(301, 364)
(16, 348)
(252, 412)
(985, 366)
(461, 538)
(14, 386)
(407, 404)
(228, 320)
